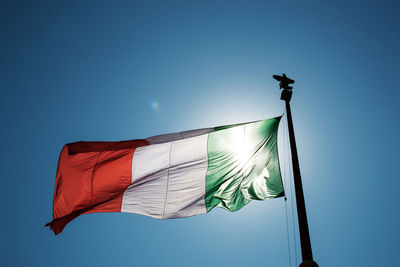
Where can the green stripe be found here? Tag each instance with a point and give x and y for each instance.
(243, 165)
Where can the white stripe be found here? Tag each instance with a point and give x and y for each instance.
(187, 178)
(146, 194)
(158, 139)
(168, 179)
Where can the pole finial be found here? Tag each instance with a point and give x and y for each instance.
(284, 83)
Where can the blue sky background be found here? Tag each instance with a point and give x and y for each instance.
(91, 70)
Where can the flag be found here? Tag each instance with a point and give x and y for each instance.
(169, 176)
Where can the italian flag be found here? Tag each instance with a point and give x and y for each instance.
(169, 176)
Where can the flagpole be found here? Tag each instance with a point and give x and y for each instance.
(305, 242)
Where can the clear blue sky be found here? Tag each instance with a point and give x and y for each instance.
(89, 70)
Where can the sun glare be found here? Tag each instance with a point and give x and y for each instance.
(240, 149)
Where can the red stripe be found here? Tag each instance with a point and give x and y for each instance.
(91, 177)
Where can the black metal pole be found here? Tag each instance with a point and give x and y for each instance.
(305, 242)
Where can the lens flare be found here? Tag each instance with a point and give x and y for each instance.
(154, 105)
